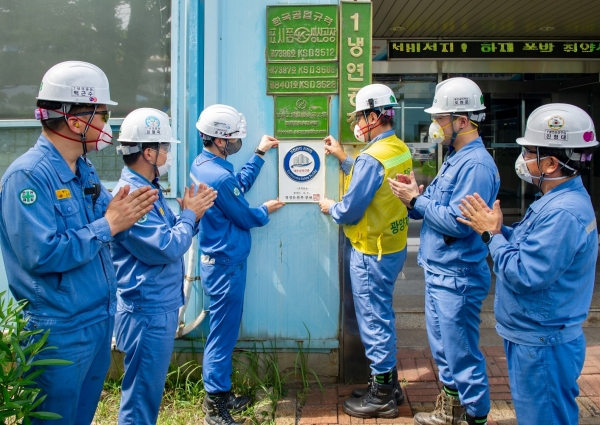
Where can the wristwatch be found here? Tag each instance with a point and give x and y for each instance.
(413, 201)
(259, 152)
(487, 236)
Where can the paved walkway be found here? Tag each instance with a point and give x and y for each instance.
(418, 374)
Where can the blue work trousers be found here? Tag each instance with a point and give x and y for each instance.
(225, 285)
(452, 309)
(372, 289)
(73, 391)
(147, 341)
(543, 381)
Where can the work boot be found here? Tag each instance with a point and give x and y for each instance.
(215, 410)
(473, 420)
(448, 411)
(378, 402)
(235, 404)
(360, 392)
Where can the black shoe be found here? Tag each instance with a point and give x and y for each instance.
(215, 411)
(360, 392)
(378, 402)
(237, 404)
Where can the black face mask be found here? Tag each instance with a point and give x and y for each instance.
(233, 147)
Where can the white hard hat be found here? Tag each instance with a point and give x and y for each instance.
(75, 82)
(222, 121)
(374, 96)
(456, 95)
(560, 126)
(146, 125)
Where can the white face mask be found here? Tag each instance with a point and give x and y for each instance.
(164, 169)
(436, 132)
(105, 138)
(522, 170)
(360, 136)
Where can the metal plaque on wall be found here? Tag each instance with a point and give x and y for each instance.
(301, 171)
(301, 117)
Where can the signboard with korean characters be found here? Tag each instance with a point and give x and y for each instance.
(301, 171)
(301, 117)
(355, 60)
(302, 49)
(456, 49)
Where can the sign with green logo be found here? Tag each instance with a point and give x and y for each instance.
(302, 33)
(301, 117)
(299, 78)
(355, 60)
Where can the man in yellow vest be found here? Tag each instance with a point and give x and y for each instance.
(376, 223)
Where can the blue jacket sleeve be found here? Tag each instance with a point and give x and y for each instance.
(247, 175)
(155, 243)
(34, 233)
(536, 263)
(476, 178)
(346, 166)
(367, 178)
(235, 207)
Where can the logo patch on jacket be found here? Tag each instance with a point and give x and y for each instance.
(236, 191)
(143, 219)
(63, 193)
(28, 196)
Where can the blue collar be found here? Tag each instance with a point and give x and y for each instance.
(455, 155)
(58, 162)
(570, 185)
(134, 177)
(207, 155)
(376, 139)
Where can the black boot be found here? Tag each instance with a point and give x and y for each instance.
(378, 402)
(215, 410)
(473, 420)
(235, 404)
(360, 392)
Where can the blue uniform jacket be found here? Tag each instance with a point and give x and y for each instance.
(149, 263)
(55, 240)
(225, 228)
(448, 247)
(545, 267)
(367, 177)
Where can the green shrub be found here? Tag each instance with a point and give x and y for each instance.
(19, 393)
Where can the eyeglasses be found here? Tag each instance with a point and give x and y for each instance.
(355, 119)
(104, 115)
(526, 152)
(436, 117)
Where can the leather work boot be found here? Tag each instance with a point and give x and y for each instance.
(215, 411)
(448, 411)
(471, 420)
(360, 392)
(378, 402)
(235, 404)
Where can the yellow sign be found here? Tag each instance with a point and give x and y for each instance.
(63, 193)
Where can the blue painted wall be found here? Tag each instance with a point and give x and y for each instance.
(292, 280)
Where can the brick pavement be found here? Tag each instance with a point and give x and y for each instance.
(418, 374)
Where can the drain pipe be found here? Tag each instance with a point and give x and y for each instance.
(188, 281)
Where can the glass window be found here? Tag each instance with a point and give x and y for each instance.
(130, 40)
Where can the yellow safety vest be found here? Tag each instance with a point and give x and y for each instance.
(384, 226)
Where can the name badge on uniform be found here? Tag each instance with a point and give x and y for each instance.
(63, 193)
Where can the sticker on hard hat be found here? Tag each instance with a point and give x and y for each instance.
(152, 125)
(556, 122)
(301, 163)
(588, 136)
(79, 91)
(562, 135)
(461, 101)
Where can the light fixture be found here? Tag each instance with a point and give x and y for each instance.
(546, 29)
(396, 29)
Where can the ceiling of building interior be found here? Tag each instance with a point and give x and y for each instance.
(487, 19)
